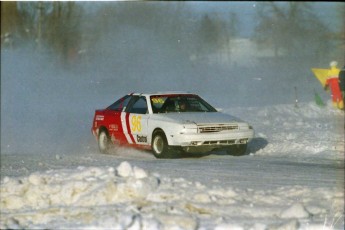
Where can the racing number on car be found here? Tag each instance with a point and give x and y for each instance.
(157, 100)
(136, 123)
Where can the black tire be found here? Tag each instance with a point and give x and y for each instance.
(160, 145)
(237, 150)
(104, 141)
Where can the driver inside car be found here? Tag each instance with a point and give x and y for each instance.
(183, 106)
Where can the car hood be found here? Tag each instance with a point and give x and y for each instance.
(198, 118)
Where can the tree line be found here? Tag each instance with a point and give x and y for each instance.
(72, 30)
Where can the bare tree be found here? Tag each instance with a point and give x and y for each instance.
(232, 32)
(340, 36)
(291, 29)
(51, 24)
(209, 35)
(14, 24)
(9, 17)
(212, 36)
(62, 29)
(152, 27)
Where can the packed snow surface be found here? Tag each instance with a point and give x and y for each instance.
(291, 178)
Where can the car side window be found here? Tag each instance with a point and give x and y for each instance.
(138, 105)
(120, 104)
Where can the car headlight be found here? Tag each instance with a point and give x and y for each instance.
(188, 128)
(245, 126)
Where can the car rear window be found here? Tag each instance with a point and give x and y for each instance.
(120, 104)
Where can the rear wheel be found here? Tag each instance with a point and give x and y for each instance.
(237, 150)
(160, 145)
(104, 142)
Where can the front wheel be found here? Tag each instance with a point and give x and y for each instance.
(103, 142)
(237, 150)
(160, 145)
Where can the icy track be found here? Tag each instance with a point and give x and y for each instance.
(292, 178)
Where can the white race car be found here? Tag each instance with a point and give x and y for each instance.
(169, 123)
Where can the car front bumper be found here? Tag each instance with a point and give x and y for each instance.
(199, 142)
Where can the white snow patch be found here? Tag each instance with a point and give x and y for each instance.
(126, 196)
(295, 211)
(104, 197)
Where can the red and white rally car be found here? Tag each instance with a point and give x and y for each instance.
(167, 123)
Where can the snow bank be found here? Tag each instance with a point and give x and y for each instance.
(129, 197)
(289, 129)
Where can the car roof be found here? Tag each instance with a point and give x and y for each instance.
(162, 93)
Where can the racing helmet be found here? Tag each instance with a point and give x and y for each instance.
(333, 64)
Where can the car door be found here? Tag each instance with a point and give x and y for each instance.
(113, 119)
(136, 117)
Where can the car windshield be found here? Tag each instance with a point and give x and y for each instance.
(179, 103)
